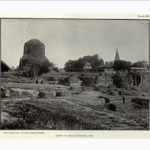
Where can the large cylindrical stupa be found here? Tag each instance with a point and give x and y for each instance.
(34, 53)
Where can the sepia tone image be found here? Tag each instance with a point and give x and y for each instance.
(74, 74)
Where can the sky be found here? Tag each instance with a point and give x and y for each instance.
(67, 39)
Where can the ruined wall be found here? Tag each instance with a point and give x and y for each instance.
(69, 80)
(104, 81)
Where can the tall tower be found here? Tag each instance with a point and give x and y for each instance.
(34, 53)
(117, 55)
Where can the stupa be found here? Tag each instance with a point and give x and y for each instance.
(34, 53)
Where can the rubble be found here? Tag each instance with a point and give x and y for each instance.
(141, 102)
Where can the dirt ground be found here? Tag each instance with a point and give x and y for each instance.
(72, 112)
(91, 98)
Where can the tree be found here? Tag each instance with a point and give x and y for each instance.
(143, 64)
(69, 65)
(4, 66)
(56, 69)
(101, 61)
(44, 67)
(36, 68)
(122, 65)
(94, 60)
(51, 64)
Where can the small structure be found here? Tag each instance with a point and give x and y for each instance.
(109, 70)
(108, 67)
(39, 80)
(61, 70)
(87, 66)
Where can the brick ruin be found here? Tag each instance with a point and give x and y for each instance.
(34, 52)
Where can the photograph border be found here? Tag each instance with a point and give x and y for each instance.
(77, 133)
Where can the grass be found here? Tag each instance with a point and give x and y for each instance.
(64, 115)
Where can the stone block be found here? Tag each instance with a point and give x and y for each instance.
(15, 92)
(62, 93)
(114, 93)
(47, 95)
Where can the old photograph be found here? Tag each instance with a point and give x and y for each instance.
(74, 74)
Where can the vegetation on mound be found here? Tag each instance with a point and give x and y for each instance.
(30, 115)
(88, 81)
(74, 65)
(36, 68)
(59, 114)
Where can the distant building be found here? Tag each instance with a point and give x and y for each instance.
(117, 55)
(108, 66)
(87, 66)
(109, 70)
(139, 70)
(61, 70)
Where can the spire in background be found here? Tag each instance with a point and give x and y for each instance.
(117, 55)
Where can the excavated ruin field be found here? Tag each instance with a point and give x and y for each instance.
(84, 110)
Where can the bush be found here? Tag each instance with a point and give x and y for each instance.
(88, 81)
(122, 65)
(117, 80)
(35, 69)
(4, 67)
(78, 65)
